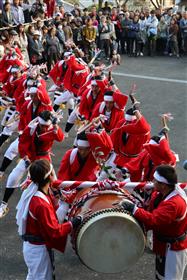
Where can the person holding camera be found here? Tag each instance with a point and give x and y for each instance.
(35, 143)
(38, 224)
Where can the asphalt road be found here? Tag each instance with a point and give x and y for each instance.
(158, 91)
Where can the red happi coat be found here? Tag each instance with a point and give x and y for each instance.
(88, 104)
(42, 222)
(12, 85)
(115, 117)
(21, 93)
(169, 219)
(26, 113)
(153, 155)
(5, 65)
(76, 74)
(28, 146)
(70, 168)
(135, 135)
(57, 73)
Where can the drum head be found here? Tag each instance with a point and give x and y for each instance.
(110, 242)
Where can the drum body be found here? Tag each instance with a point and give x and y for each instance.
(109, 240)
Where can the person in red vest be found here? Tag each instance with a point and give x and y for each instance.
(166, 215)
(112, 107)
(34, 143)
(38, 224)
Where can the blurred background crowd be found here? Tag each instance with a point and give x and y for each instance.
(43, 30)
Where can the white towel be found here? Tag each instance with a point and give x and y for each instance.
(23, 207)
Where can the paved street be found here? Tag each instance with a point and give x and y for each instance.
(161, 87)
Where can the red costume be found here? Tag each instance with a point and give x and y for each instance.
(169, 219)
(27, 114)
(71, 168)
(115, 116)
(36, 145)
(76, 74)
(42, 222)
(128, 139)
(57, 73)
(153, 155)
(88, 103)
(5, 65)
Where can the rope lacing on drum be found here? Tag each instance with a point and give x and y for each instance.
(94, 192)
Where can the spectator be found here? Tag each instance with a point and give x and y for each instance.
(26, 9)
(37, 8)
(168, 16)
(134, 36)
(30, 32)
(35, 49)
(52, 48)
(113, 44)
(143, 34)
(76, 32)
(125, 23)
(106, 9)
(162, 36)
(60, 35)
(152, 23)
(104, 36)
(183, 27)
(85, 15)
(67, 30)
(173, 43)
(23, 42)
(17, 13)
(7, 19)
(89, 37)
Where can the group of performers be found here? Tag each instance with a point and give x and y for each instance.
(112, 142)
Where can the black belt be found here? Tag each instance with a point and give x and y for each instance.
(32, 238)
(171, 240)
(42, 153)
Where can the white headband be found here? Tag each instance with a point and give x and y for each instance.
(159, 178)
(48, 173)
(108, 98)
(33, 90)
(42, 122)
(83, 143)
(130, 118)
(14, 70)
(94, 83)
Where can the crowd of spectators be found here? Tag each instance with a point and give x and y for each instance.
(112, 29)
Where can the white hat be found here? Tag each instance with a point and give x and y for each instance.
(15, 69)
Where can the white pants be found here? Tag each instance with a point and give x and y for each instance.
(38, 262)
(72, 117)
(16, 175)
(8, 116)
(176, 261)
(12, 150)
(65, 97)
